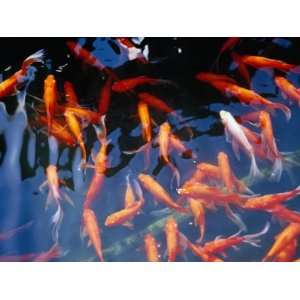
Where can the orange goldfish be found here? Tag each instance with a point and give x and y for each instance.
(129, 198)
(164, 142)
(92, 230)
(284, 214)
(151, 248)
(86, 56)
(9, 85)
(59, 132)
(124, 216)
(70, 94)
(213, 77)
(221, 245)
(155, 102)
(269, 141)
(159, 192)
(198, 251)
(264, 62)
(268, 201)
(101, 163)
(288, 90)
(225, 171)
(129, 84)
(172, 238)
(76, 130)
(291, 232)
(198, 210)
(50, 98)
(85, 114)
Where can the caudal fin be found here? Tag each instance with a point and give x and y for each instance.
(287, 112)
(254, 173)
(252, 239)
(277, 169)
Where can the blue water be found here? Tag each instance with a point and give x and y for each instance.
(25, 156)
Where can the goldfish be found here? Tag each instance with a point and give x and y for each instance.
(159, 192)
(155, 102)
(129, 198)
(222, 244)
(225, 171)
(50, 98)
(291, 232)
(172, 238)
(101, 163)
(250, 97)
(213, 77)
(76, 130)
(197, 250)
(85, 114)
(9, 85)
(268, 201)
(70, 94)
(264, 62)
(269, 142)
(178, 145)
(54, 252)
(239, 139)
(124, 216)
(151, 248)
(86, 56)
(126, 85)
(164, 142)
(284, 214)
(211, 194)
(288, 252)
(198, 210)
(288, 90)
(59, 132)
(104, 97)
(241, 67)
(92, 229)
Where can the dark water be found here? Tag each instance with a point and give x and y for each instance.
(25, 154)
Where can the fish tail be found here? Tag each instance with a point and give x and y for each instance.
(56, 220)
(277, 169)
(253, 240)
(176, 174)
(235, 218)
(34, 58)
(254, 173)
(142, 148)
(287, 112)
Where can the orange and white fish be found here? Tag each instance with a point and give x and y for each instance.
(159, 192)
(126, 85)
(264, 62)
(76, 130)
(288, 90)
(151, 248)
(172, 238)
(288, 253)
(9, 85)
(268, 140)
(50, 98)
(91, 228)
(219, 246)
(70, 94)
(239, 139)
(198, 210)
(291, 232)
(268, 201)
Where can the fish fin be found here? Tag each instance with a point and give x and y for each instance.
(227, 135)
(89, 243)
(277, 169)
(142, 148)
(83, 233)
(56, 220)
(43, 185)
(49, 199)
(128, 225)
(235, 218)
(68, 199)
(235, 147)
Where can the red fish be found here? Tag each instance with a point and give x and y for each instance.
(104, 98)
(70, 94)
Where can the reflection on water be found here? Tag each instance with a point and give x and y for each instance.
(27, 150)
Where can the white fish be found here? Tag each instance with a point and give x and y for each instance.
(239, 139)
